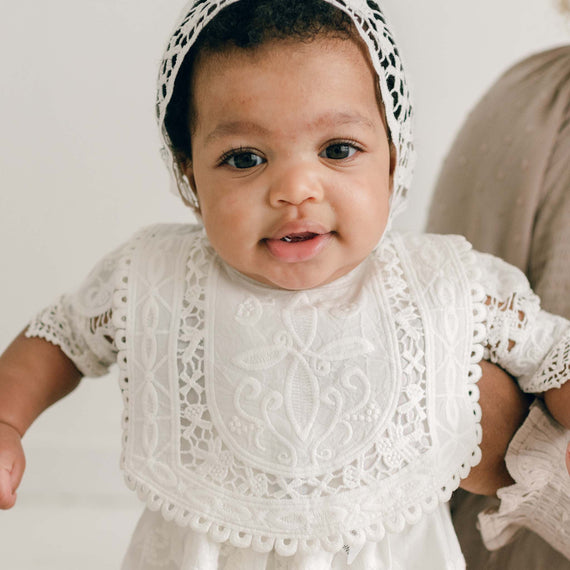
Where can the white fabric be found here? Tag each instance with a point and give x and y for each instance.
(299, 422)
(373, 28)
(540, 498)
(429, 545)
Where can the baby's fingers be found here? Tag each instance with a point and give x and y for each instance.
(7, 489)
(12, 465)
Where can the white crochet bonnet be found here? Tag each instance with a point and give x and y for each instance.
(372, 27)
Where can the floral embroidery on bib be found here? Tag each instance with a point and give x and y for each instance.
(305, 394)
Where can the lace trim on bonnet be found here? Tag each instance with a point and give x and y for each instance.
(151, 454)
(373, 29)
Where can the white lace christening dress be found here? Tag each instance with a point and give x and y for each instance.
(319, 429)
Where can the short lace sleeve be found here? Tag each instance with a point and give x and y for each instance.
(523, 339)
(81, 323)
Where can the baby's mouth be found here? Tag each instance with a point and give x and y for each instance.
(297, 246)
(294, 238)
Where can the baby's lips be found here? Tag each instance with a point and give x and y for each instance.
(297, 250)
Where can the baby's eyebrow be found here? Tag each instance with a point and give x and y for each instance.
(333, 119)
(235, 128)
(336, 118)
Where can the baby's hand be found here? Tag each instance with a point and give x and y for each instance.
(568, 458)
(12, 463)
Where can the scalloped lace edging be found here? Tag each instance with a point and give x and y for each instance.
(478, 342)
(262, 542)
(51, 325)
(158, 543)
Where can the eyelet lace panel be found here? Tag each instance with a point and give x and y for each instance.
(177, 452)
(372, 26)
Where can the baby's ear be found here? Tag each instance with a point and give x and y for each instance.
(393, 161)
(186, 167)
(188, 171)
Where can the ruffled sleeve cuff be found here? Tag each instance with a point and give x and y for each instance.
(540, 498)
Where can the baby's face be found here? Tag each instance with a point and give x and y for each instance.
(291, 160)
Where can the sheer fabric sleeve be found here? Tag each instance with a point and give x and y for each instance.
(81, 323)
(527, 342)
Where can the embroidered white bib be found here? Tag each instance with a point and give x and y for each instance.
(298, 420)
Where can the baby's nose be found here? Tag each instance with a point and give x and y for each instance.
(295, 185)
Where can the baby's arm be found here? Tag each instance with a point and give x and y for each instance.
(33, 375)
(557, 401)
(504, 408)
(71, 338)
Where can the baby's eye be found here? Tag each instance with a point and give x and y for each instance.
(338, 151)
(243, 160)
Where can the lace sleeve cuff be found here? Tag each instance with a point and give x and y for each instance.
(60, 325)
(82, 323)
(529, 343)
(554, 370)
(540, 498)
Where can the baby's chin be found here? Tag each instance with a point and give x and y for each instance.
(300, 277)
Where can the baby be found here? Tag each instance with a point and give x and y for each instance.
(298, 380)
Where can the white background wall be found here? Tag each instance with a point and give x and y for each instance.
(80, 171)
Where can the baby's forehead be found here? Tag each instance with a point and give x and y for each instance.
(207, 61)
(330, 81)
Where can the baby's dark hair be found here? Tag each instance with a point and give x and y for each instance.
(249, 24)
